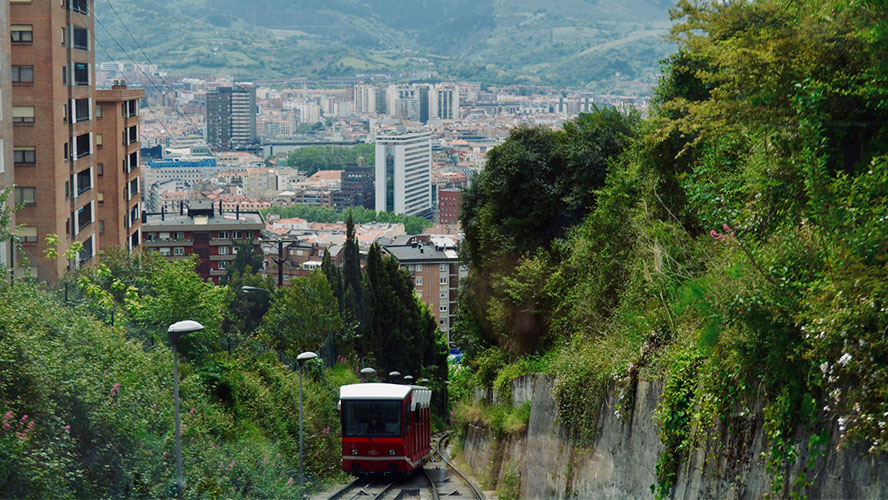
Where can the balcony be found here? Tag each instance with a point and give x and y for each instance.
(167, 242)
(216, 258)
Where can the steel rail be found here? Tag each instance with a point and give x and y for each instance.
(465, 478)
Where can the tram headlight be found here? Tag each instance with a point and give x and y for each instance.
(392, 452)
(354, 451)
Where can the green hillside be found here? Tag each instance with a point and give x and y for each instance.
(576, 43)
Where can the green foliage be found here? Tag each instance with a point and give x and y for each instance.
(310, 159)
(737, 247)
(674, 415)
(301, 316)
(395, 316)
(510, 486)
(523, 366)
(178, 293)
(502, 418)
(360, 215)
(535, 187)
(89, 412)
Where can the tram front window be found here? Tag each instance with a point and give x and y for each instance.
(372, 418)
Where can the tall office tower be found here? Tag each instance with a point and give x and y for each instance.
(5, 127)
(53, 130)
(444, 102)
(370, 99)
(231, 117)
(423, 94)
(403, 173)
(117, 167)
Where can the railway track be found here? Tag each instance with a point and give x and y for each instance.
(457, 486)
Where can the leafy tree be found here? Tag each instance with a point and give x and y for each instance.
(246, 258)
(400, 333)
(310, 159)
(301, 316)
(177, 294)
(352, 291)
(535, 187)
(246, 309)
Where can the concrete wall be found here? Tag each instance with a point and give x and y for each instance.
(621, 463)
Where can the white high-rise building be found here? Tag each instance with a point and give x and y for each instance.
(444, 102)
(404, 173)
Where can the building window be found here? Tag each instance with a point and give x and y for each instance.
(133, 188)
(223, 235)
(100, 197)
(442, 281)
(443, 308)
(130, 135)
(98, 110)
(64, 75)
(179, 251)
(79, 38)
(22, 33)
(81, 74)
(28, 234)
(101, 226)
(444, 268)
(131, 108)
(84, 216)
(99, 140)
(100, 168)
(165, 251)
(26, 195)
(26, 155)
(87, 253)
(82, 146)
(223, 250)
(78, 6)
(223, 264)
(443, 295)
(22, 74)
(81, 110)
(236, 235)
(419, 280)
(418, 267)
(133, 161)
(23, 114)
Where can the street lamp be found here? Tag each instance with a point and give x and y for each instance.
(301, 359)
(393, 376)
(367, 373)
(408, 379)
(255, 289)
(424, 381)
(176, 331)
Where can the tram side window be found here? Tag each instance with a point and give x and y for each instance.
(372, 418)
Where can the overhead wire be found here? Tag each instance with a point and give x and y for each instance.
(153, 83)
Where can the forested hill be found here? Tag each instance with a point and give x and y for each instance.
(580, 43)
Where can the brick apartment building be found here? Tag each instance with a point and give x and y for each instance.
(6, 167)
(56, 136)
(203, 229)
(117, 167)
(437, 274)
(449, 202)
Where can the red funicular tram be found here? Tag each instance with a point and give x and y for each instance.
(386, 428)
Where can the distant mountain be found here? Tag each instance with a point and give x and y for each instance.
(599, 45)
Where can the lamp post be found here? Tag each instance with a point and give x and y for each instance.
(176, 331)
(424, 381)
(366, 373)
(301, 359)
(408, 379)
(393, 376)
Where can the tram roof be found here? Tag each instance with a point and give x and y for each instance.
(378, 391)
